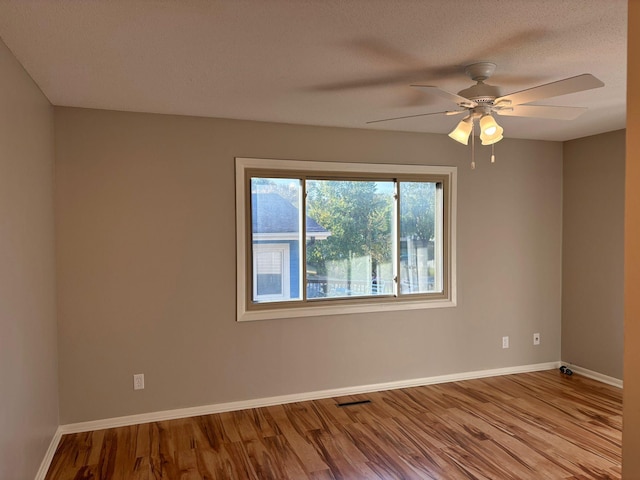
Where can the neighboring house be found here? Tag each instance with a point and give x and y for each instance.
(276, 247)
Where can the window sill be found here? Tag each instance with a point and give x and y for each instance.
(341, 309)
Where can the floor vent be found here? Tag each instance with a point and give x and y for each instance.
(357, 402)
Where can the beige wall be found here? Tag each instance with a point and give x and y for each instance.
(631, 424)
(146, 254)
(28, 363)
(592, 254)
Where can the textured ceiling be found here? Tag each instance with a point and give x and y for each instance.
(320, 62)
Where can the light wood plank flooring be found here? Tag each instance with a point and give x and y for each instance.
(539, 425)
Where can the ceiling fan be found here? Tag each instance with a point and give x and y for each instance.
(482, 100)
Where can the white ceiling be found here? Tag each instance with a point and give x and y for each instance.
(320, 62)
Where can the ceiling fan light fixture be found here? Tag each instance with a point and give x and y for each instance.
(462, 131)
(493, 139)
(490, 131)
(488, 125)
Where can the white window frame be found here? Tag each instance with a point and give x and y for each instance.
(360, 305)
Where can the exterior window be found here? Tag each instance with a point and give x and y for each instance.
(319, 238)
(271, 272)
(421, 254)
(276, 239)
(355, 259)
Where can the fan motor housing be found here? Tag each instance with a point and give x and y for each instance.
(481, 93)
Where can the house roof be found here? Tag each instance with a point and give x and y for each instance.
(330, 63)
(273, 214)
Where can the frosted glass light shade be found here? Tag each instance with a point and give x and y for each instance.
(462, 131)
(490, 131)
(488, 125)
(493, 140)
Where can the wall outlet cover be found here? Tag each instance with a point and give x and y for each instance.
(138, 381)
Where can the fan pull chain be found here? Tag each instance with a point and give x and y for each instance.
(473, 147)
(493, 156)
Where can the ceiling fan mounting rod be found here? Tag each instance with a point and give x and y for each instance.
(479, 72)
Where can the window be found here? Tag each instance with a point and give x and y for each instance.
(271, 272)
(319, 238)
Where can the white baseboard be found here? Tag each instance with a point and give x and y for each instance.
(616, 382)
(299, 397)
(48, 456)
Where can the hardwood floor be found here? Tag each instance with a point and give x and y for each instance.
(539, 425)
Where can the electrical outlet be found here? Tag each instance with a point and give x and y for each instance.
(536, 339)
(138, 381)
(505, 342)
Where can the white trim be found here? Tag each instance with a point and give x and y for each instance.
(298, 397)
(48, 456)
(615, 382)
(342, 309)
(275, 236)
(244, 314)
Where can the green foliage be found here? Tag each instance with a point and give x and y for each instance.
(417, 210)
(359, 217)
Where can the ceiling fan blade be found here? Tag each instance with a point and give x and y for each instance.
(542, 111)
(452, 112)
(452, 97)
(400, 78)
(511, 46)
(414, 98)
(579, 83)
(383, 52)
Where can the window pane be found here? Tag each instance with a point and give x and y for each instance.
(354, 256)
(269, 266)
(269, 284)
(276, 239)
(420, 238)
